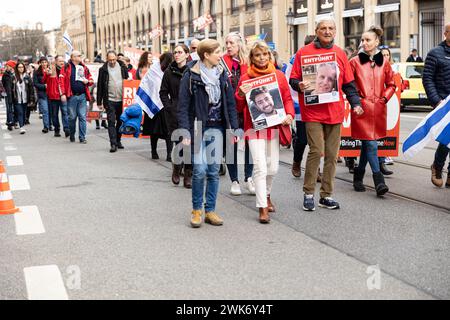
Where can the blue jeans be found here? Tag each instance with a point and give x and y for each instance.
(439, 157)
(369, 153)
(20, 109)
(44, 109)
(206, 163)
(233, 167)
(77, 108)
(55, 105)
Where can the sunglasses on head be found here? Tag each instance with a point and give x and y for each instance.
(383, 47)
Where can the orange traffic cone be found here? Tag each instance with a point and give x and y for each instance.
(7, 205)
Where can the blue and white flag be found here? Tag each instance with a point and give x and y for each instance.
(147, 96)
(294, 93)
(68, 42)
(435, 126)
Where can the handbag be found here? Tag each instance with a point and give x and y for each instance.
(285, 135)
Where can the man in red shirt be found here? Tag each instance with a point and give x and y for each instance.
(323, 120)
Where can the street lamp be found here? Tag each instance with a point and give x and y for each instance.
(290, 17)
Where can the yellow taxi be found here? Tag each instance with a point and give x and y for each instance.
(413, 91)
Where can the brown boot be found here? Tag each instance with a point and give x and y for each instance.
(296, 170)
(270, 205)
(187, 181)
(176, 174)
(264, 215)
(436, 177)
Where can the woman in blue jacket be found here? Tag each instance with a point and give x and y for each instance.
(206, 109)
(41, 90)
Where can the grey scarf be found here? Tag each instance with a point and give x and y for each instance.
(318, 45)
(210, 78)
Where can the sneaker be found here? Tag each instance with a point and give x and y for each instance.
(250, 186)
(22, 130)
(196, 219)
(308, 202)
(45, 130)
(10, 128)
(97, 127)
(235, 189)
(388, 161)
(16, 126)
(83, 141)
(328, 203)
(57, 134)
(120, 145)
(213, 219)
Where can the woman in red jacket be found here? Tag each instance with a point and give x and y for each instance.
(264, 144)
(374, 78)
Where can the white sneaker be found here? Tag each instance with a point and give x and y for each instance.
(22, 130)
(250, 185)
(388, 160)
(235, 189)
(16, 126)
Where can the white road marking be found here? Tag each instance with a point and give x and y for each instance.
(4, 127)
(10, 148)
(28, 221)
(7, 136)
(19, 182)
(14, 161)
(45, 283)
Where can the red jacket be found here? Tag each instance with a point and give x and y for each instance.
(229, 65)
(54, 85)
(328, 113)
(242, 106)
(66, 73)
(375, 87)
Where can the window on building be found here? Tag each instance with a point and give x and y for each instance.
(353, 29)
(390, 22)
(354, 4)
(234, 6)
(381, 2)
(164, 22)
(212, 11)
(300, 8)
(267, 28)
(143, 28)
(180, 21)
(129, 33)
(172, 24)
(190, 19)
(249, 4)
(325, 6)
(201, 8)
(266, 3)
(124, 34)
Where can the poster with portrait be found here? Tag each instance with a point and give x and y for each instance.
(94, 112)
(79, 73)
(322, 72)
(264, 102)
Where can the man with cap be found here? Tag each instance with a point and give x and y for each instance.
(7, 82)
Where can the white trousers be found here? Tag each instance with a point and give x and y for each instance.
(266, 158)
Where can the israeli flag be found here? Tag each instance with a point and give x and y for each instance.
(68, 41)
(147, 96)
(435, 126)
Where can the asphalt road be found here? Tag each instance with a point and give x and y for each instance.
(114, 227)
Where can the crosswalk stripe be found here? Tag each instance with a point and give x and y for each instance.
(19, 182)
(13, 161)
(28, 221)
(45, 283)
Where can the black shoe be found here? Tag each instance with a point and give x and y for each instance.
(10, 128)
(57, 134)
(27, 122)
(97, 127)
(380, 186)
(50, 129)
(169, 159)
(328, 203)
(104, 125)
(83, 141)
(384, 170)
(72, 139)
(120, 145)
(358, 177)
(67, 132)
(155, 156)
(113, 148)
(45, 130)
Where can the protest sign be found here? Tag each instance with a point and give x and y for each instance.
(264, 102)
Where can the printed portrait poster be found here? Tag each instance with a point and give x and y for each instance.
(79, 73)
(388, 146)
(93, 110)
(322, 72)
(264, 102)
(130, 88)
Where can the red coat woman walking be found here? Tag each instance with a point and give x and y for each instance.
(374, 79)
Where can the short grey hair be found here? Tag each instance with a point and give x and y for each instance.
(324, 19)
(111, 51)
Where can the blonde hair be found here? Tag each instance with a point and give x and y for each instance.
(207, 46)
(241, 44)
(262, 45)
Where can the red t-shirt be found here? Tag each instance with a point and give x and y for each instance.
(328, 113)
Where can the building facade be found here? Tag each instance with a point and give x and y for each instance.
(76, 20)
(407, 23)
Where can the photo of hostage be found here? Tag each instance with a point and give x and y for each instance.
(325, 81)
(263, 103)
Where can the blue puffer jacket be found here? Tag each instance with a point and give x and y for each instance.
(132, 118)
(436, 74)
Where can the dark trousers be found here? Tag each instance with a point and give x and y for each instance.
(300, 141)
(233, 167)
(441, 154)
(154, 145)
(20, 109)
(10, 111)
(113, 113)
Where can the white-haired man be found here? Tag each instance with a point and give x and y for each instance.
(323, 121)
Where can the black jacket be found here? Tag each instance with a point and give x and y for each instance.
(168, 93)
(411, 59)
(8, 84)
(102, 82)
(436, 74)
(39, 85)
(193, 100)
(31, 97)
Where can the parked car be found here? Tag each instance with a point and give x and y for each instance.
(413, 91)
